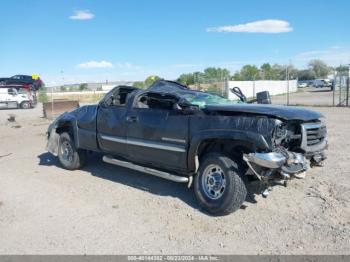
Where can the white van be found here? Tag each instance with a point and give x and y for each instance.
(322, 83)
(10, 98)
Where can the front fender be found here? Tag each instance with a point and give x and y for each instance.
(249, 137)
(64, 123)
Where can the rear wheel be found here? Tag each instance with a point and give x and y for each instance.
(219, 185)
(70, 157)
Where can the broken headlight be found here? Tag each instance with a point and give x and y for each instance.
(280, 131)
(323, 121)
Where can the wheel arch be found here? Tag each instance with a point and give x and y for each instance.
(70, 126)
(231, 143)
(24, 101)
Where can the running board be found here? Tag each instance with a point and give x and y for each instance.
(154, 172)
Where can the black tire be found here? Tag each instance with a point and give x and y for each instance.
(25, 105)
(70, 158)
(234, 192)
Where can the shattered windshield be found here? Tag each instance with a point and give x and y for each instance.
(193, 97)
(202, 99)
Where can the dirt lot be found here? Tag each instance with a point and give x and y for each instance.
(108, 210)
(311, 96)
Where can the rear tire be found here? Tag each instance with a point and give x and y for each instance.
(219, 185)
(70, 158)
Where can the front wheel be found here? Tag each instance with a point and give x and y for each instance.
(219, 185)
(70, 157)
(25, 105)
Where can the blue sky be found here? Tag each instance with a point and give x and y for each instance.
(78, 41)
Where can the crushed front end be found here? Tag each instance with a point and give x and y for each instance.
(296, 146)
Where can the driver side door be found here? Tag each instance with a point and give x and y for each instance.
(157, 134)
(111, 122)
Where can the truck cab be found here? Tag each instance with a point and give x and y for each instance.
(193, 137)
(10, 98)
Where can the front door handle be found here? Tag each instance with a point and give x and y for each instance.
(131, 119)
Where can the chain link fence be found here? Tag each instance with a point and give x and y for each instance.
(218, 86)
(333, 93)
(319, 92)
(341, 91)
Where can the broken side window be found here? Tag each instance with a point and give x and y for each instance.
(157, 101)
(118, 96)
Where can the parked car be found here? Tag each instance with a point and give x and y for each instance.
(10, 98)
(194, 137)
(23, 81)
(302, 84)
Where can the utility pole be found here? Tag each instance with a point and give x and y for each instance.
(347, 87)
(334, 85)
(254, 87)
(287, 79)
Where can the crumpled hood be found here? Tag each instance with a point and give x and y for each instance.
(282, 112)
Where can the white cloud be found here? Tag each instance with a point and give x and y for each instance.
(331, 55)
(95, 64)
(128, 65)
(82, 15)
(312, 54)
(270, 26)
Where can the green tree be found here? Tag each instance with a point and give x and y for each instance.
(187, 79)
(320, 68)
(43, 98)
(83, 87)
(306, 74)
(139, 84)
(278, 72)
(292, 72)
(198, 77)
(236, 77)
(266, 72)
(211, 73)
(150, 80)
(342, 70)
(249, 73)
(63, 88)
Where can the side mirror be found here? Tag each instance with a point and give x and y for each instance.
(263, 97)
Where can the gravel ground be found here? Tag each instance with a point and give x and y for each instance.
(310, 96)
(104, 209)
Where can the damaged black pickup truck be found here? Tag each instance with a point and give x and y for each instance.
(194, 137)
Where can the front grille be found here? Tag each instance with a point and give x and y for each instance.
(314, 136)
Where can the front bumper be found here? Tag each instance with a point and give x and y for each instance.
(269, 160)
(285, 163)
